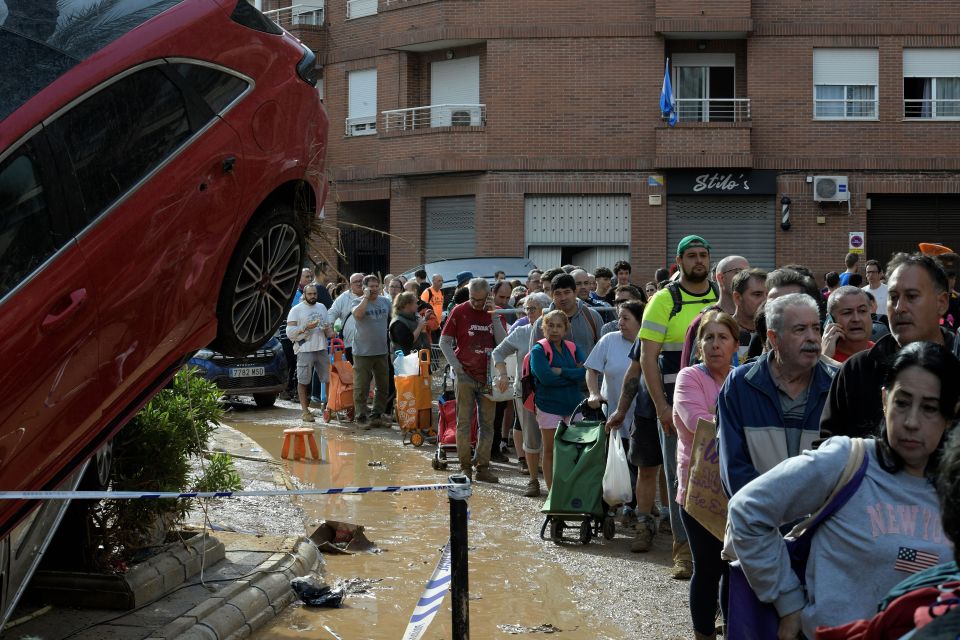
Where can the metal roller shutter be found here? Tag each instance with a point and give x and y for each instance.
(734, 225)
(577, 220)
(900, 222)
(451, 231)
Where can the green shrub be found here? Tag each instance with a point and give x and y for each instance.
(152, 453)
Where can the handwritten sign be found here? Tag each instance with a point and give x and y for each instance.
(706, 501)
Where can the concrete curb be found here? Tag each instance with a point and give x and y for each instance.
(237, 610)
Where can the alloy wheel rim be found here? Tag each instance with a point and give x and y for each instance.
(267, 279)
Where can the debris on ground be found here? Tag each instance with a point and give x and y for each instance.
(315, 593)
(342, 537)
(517, 629)
(376, 463)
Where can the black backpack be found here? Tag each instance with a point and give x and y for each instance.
(674, 288)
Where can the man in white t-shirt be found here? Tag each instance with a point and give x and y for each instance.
(308, 327)
(876, 287)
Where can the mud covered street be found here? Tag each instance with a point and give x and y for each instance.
(519, 584)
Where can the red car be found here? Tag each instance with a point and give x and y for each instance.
(160, 164)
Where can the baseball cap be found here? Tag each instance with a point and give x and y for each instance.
(692, 242)
(464, 277)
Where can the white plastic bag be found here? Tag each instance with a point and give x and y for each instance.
(616, 478)
(406, 365)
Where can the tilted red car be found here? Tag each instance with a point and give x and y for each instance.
(160, 163)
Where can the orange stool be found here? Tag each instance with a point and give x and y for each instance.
(300, 436)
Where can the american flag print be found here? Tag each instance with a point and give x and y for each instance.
(912, 561)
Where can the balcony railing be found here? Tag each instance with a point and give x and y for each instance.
(362, 126)
(298, 14)
(942, 108)
(713, 109)
(435, 115)
(360, 8)
(849, 109)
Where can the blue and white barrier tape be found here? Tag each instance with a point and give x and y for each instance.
(148, 495)
(432, 598)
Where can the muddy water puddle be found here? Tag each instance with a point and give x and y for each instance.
(515, 588)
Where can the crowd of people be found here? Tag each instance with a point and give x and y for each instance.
(793, 377)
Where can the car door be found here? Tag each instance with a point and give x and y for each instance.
(160, 189)
(49, 323)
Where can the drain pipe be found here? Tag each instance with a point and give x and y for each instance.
(459, 589)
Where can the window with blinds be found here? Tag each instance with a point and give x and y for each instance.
(931, 83)
(845, 84)
(361, 102)
(455, 92)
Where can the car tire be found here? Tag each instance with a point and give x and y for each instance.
(265, 400)
(260, 282)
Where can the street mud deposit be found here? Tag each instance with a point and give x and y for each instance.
(520, 585)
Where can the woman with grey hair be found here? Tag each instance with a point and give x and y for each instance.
(518, 342)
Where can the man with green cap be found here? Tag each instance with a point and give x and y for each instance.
(666, 318)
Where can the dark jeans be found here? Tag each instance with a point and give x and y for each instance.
(709, 579)
(291, 364)
(497, 422)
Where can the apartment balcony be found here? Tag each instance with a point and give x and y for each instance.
(304, 21)
(437, 138)
(703, 19)
(709, 133)
(447, 117)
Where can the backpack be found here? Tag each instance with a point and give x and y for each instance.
(674, 288)
(528, 382)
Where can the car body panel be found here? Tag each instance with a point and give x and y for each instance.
(220, 370)
(151, 266)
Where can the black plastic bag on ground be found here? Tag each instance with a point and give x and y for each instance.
(315, 593)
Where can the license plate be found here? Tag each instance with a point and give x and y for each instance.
(249, 372)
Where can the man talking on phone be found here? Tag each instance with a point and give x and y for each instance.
(308, 328)
(849, 324)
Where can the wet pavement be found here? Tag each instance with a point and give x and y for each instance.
(519, 584)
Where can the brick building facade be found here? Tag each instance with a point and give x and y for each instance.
(772, 93)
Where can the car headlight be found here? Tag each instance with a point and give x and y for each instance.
(203, 354)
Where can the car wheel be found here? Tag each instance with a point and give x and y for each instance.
(265, 400)
(260, 282)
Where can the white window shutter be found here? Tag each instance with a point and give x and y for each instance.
(931, 63)
(362, 90)
(455, 82)
(846, 66)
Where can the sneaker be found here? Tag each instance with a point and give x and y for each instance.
(485, 475)
(498, 457)
(533, 488)
(627, 517)
(307, 416)
(682, 570)
(643, 539)
(524, 470)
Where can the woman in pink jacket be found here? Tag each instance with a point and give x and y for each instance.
(695, 397)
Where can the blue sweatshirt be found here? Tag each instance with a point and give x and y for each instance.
(557, 394)
(887, 530)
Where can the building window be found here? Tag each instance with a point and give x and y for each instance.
(361, 8)
(362, 102)
(703, 84)
(845, 84)
(455, 93)
(931, 83)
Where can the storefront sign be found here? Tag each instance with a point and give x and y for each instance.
(722, 182)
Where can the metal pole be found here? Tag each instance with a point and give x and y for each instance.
(459, 589)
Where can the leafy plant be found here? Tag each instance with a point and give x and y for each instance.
(152, 453)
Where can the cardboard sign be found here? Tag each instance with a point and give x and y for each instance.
(706, 501)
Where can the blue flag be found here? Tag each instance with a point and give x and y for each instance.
(667, 107)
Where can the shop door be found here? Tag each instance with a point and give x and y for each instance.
(901, 222)
(734, 225)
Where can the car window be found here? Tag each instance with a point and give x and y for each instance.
(42, 39)
(28, 235)
(118, 135)
(217, 88)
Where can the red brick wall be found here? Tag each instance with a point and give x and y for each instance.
(571, 90)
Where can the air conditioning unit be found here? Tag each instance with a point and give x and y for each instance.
(831, 189)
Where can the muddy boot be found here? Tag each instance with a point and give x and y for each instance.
(307, 416)
(645, 530)
(485, 475)
(682, 570)
(533, 488)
